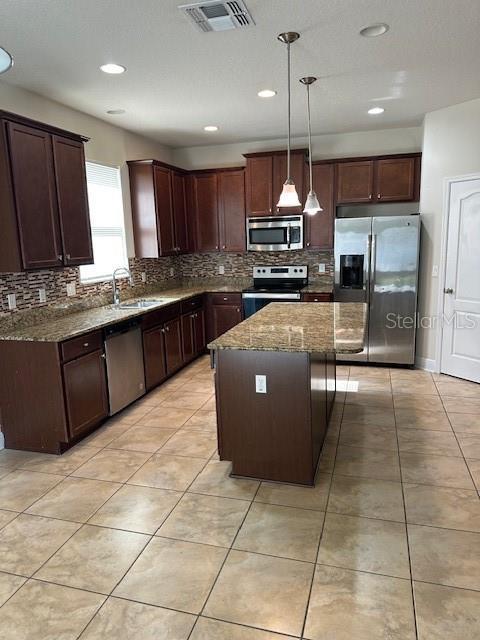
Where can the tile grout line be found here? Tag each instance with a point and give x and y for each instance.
(458, 443)
(227, 555)
(414, 609)
(302, 633)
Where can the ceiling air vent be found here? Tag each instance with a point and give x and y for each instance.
(212, 15)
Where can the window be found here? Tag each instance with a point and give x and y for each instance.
(107, 222)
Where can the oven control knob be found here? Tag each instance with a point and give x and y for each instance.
(264, 270)
(295, 270)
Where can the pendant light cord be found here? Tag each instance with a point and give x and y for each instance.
(309, 138)
(289, 116)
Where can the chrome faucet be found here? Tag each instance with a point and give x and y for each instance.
(116, 290)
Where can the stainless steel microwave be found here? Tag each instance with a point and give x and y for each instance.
(275, 233)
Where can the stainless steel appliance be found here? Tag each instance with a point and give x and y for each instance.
(125, 368)
(275, 233)
(274, 284)
(376, 262)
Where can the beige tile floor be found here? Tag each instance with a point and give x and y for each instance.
(139, 532)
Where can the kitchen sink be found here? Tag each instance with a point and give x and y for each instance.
(141, 304)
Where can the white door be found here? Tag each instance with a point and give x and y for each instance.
(461, 310)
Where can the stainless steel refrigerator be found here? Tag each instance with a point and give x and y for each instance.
(376, 262)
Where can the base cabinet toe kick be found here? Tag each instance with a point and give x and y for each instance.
(273, 410)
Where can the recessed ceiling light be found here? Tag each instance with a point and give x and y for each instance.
(211, 127)
(6, 60)
(115, 112)
(266, 93)
(112, 68)
(374, 30)
(376, 111)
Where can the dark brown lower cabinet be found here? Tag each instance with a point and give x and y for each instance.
(154, 357)
(173, 345)
(85, 392)
(187, 337)
(193, 334)
(225, 317)
(199, 332)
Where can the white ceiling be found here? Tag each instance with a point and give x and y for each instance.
(179, 79)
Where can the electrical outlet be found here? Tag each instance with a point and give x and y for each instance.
(172, 271)
(221, 270)
(12, 301)
(143, 276)
(42, 295)
(435, 271)
(261, 384)
(321, 268)
(71, 289)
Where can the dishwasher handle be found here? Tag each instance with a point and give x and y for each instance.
(122, 327)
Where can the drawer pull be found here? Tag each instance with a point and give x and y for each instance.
(85, 344)
(225, 298)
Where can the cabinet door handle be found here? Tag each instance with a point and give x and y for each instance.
(85, 344)
(60, 257)
(216, 246)
(225, 298)
(308, 244)
(162, 330)
(224, 246)
(103, 356)
(379, 195)
(67, 256)
(370, 196)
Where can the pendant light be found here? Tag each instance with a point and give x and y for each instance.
(312, 205)
(289, 196)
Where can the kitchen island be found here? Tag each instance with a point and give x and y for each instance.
(275, 386)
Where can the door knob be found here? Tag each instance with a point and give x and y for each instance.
(448, 290)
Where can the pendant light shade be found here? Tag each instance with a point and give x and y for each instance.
(312, 206)
(289, 195)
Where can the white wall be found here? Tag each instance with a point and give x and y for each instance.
(451, 147)
(338, 145)
(108, 144)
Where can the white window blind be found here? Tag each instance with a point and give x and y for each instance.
(107, 222)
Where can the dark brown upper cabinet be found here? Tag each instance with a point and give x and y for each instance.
(379, 179)
(219, 198)
(319, 228)
(180, 212)
(43, 197)
(259, 185)
(231, 210)
(158, 209)
(205, 187)
(69, 161)
(355, 182)
(395, 179)
(265, 175)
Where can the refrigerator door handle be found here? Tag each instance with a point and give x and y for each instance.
(373, 266)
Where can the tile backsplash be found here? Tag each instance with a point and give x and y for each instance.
(25, 285)
(240, 265)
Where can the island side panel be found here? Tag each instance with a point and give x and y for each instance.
(331, 382)
(266, 435)
(319, 422)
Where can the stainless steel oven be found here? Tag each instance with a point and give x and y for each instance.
(274, 284)
(275, 233)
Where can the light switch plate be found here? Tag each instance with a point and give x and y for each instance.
(261, 384)
(71, 289)
(12, 301)
(221, 270)
(172, 271)
(143, 276)
(321, 268)
(42, 295)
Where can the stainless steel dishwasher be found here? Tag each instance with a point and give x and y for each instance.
(125, 367)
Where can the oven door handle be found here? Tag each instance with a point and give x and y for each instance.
(272, 296)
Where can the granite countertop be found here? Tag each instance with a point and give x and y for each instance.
(324, 327)
(75, 324)
(319, 287)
